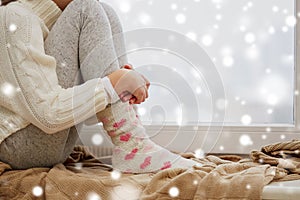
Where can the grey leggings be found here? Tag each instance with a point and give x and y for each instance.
(82, 43)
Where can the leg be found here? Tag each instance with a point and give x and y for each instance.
(74, 38)
(83, 44)
(31, 147)
(78, 24)
(118, 35)
(134, 151)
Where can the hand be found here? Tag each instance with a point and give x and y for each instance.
(130, 85)
(126, 96)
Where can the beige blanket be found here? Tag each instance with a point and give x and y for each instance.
(284, 155)
(84, 177)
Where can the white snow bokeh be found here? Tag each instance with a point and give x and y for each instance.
(97, 139)
(173, 192)
(93, 196)
(243, 45)
(275, 9)
(270, 111)
(285, 29)
(192, 35)
(115, 174)
(219, 17)
(248, 186)
(246, 119)
(271, 30)
(12, 27)
(180, 18)
(8, 89)
(250, 38)
(199, 153)
(243, 102)
(207, 40)
(245, 140)
(174, 6)
(125, 191)
(228, 61)
(124, 6)
(291, 20)
(264, 137)
(141, 111)
(37, 191)
(145, 18)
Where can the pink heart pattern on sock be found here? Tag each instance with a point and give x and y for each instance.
(146, 162)
(134, 152)
(131, 155)
(119, 124)
(166, 165)
(125, 137)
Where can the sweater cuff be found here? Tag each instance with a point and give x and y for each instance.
(110, 91)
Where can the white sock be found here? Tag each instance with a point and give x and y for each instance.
(134, 152)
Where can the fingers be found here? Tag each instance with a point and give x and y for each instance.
(146, 89)
(147, 83)
(140, 95)
(133, 100)
(125, 96)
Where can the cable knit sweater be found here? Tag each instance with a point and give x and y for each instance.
(29, 90)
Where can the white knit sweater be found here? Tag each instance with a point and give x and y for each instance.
(29, 90)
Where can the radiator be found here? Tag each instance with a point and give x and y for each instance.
(99, 151)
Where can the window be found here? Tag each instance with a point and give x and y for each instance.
(223, 72)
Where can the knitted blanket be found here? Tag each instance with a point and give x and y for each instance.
(284, 155)
(82, 176)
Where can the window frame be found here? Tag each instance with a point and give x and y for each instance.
(191, 139)
(228, 139)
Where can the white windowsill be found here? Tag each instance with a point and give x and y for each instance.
(186, 139)
(282, 190)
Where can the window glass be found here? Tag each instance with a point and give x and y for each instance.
(250, 43)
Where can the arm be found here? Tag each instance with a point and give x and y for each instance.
(40, 100)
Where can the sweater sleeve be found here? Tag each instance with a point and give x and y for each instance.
(39, 98)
